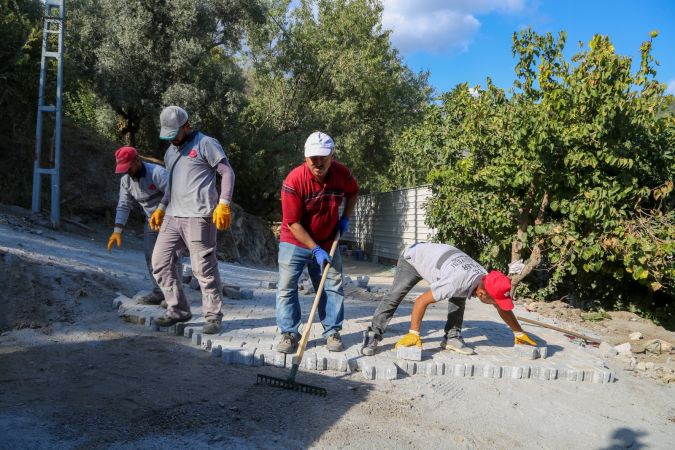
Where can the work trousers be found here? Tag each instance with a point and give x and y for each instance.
(198, 236)
(405, 279)
(292, 262)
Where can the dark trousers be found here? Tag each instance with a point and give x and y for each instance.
(405, 279)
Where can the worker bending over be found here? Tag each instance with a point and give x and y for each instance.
(453, 276)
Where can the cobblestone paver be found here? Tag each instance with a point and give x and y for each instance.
(249, 335)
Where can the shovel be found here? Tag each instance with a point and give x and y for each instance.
(290, 383)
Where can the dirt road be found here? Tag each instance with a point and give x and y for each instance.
(81, 378)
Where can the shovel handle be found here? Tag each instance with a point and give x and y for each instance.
(315, 305)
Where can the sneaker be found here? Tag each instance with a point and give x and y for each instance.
(456, 344)
(153, 298)
(334, 342)
(211, 327)
(288, 343)
(168, 321)
(370, 342)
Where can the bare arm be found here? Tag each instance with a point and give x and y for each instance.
(510, 319)
(419, 309)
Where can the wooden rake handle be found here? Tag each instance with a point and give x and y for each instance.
(315, 305)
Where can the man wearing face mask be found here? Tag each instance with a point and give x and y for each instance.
(189, 214)
(143, 183)
(311, 196)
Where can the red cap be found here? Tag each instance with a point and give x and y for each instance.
(498, 286)
(124, 156)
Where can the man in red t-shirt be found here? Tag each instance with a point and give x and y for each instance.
(311, 196)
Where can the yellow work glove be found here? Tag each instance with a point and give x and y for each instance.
(157, 218)
(115, 238)
(523, 338)
(410, 339)
(221, 216)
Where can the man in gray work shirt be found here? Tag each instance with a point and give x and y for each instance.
(193, 211)
(143, 183)
(452, 275)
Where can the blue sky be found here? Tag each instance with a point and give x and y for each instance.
(468, 40)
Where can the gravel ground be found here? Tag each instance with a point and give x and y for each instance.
(73, 375)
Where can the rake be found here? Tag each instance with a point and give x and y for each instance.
(290, 383)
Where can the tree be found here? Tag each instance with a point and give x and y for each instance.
(328, 65)
(141, 55)
(20, 46)
(572, 173)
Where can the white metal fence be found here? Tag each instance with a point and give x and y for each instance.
(384, 224)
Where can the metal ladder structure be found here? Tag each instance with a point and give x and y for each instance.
(52, 49)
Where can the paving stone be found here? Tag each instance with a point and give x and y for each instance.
(321, 361)
(117, 301)
(526, 351)
(440, 367)
(244, 357)
(545, 373)
(249, 330)
(517, 373)
(187, 332)
(410, 353)
(273, 358)
(309, 361)
(354, 359)
(268, 284)
(232, 292)
(368, 369)
(216, 351)
(386, 370)
(196, 339)
(428, 368)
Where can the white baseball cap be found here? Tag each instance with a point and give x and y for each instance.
(318, 144)
(171, 119)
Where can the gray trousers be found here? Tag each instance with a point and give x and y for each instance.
(405, 279)
(198, 236)
(149, 240)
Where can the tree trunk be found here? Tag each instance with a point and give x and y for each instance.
(524, 220)
(535, 255)
(127, 127)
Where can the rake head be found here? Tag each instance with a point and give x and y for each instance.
(291, 385)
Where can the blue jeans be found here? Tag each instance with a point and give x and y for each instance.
(292, 261)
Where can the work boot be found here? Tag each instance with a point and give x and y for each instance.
(288, 343)
(211, 327)
(168, 321)
(334, 343)
(370, 342)
(153, 298)
(456, 344)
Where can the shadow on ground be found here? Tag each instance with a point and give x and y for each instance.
(142, 392)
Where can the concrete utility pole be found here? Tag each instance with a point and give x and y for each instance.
(52, 49)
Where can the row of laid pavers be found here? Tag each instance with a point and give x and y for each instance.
(256, 348)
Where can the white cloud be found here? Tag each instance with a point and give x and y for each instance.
(671, 87)
(439, 25)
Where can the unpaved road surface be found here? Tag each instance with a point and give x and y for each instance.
(77, 377)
